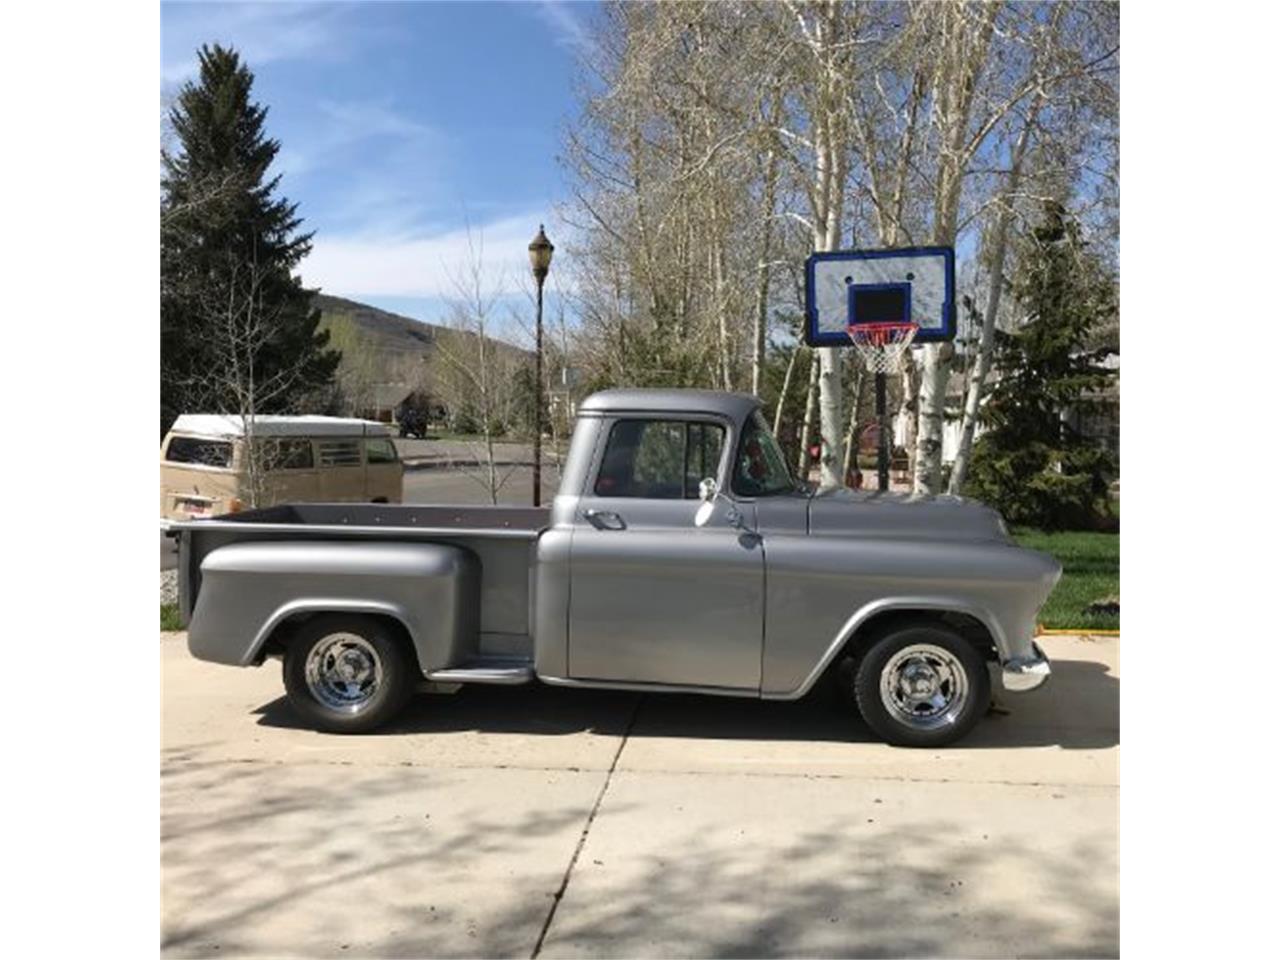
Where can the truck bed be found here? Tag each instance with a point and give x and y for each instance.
(503, 539)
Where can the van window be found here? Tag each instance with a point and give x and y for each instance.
(339, 453)
(380, 450)
(286, 454)
(197, 450)
(659, 459)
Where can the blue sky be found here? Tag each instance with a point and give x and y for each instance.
(400, 125)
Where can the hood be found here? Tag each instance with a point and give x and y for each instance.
(844, 512)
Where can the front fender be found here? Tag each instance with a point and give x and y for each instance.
(941, 604)
(819, 591)
(249, 589)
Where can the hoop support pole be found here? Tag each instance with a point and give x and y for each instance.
(882, 441)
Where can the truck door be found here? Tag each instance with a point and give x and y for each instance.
(654, 598)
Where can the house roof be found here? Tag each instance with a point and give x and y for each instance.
(387, 395)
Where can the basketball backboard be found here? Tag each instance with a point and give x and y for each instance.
(847, 287)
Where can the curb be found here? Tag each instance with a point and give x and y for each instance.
(414, 465)
(1080, 632)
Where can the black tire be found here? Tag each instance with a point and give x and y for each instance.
(367, 644)
(943, 662)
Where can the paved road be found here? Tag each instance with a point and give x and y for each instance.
(508, 822)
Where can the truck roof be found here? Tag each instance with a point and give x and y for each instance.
(737, 406)
(264, 425)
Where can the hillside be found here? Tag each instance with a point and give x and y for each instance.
(384, 332)
(391, 347)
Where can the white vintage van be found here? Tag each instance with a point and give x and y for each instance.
(205, 468)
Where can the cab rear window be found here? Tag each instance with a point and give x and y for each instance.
(197, 450)
(659, 459)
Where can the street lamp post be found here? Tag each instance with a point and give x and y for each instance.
(540, 251)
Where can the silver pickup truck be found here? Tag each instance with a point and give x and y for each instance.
(679, 555)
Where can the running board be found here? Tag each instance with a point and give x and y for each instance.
(498, 671)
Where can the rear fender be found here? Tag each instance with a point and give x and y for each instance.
(249, 590)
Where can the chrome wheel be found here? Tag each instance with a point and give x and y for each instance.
(343, 672)
(924, 687)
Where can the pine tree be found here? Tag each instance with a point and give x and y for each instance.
(1031, 464)
(238, 331)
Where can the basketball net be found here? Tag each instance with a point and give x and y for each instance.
(882, 345)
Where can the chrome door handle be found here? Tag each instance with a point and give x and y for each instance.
(604, 520)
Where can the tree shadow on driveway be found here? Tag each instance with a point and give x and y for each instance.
(1078, 709)
(400, 862)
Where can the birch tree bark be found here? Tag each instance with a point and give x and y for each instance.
(806, 432)
(982, 366)
(850, 437)
(1000, 246)
(786, 388)
(828, 32)
(767, 206)
(965, 46)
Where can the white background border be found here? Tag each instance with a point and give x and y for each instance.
(1199, 453)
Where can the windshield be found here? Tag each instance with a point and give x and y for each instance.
(760, 470)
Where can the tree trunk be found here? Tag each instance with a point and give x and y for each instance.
(978, 377)
(830, 395)
(850, 437)
(786, 387)
(807, 430)
(966, 56)
(762, 280)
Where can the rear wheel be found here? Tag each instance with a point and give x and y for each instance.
(347, 673)
(922, 686)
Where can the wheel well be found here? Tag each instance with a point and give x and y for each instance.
(876, 626)
(285, 630)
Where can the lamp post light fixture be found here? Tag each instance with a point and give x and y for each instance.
(540, 251)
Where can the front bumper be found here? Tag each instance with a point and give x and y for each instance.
(1021, 674)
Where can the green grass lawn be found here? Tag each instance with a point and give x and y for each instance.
(169, 619)
(1090, 571)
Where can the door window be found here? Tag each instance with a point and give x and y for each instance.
(659, 459)
(380, 450)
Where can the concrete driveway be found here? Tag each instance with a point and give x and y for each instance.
(543, 822)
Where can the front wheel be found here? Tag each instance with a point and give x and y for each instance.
(922, 686)
(347, 673)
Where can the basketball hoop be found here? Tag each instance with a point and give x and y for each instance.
(882, 345)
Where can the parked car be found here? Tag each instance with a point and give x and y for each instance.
(679, 556)
(205, 468)
(413, 422)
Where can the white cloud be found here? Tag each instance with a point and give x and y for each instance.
(339, 125)
(261, 32)
(569, 30)
(421, 265)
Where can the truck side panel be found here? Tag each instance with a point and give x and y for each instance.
(248, 589)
